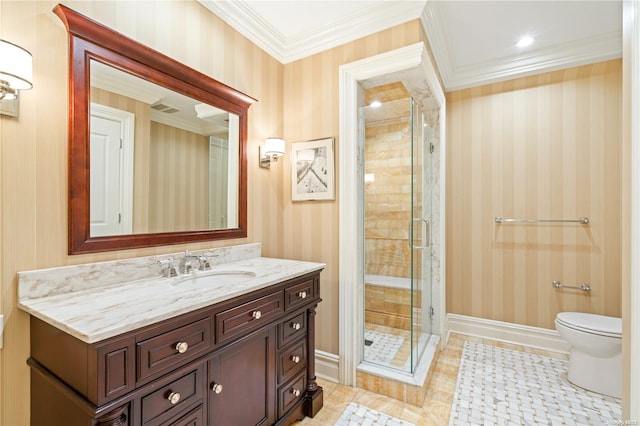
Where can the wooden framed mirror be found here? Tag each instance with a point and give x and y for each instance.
(157, 150)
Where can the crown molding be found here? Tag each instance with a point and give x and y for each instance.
(593, 49)
(240, 16)
(243, 19)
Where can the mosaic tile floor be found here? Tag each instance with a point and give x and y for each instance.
(356, 414)
(383, 347)
(508, 387)
(437, 407)
(392, 346)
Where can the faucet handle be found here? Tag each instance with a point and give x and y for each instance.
(204, 263)
(169, 270)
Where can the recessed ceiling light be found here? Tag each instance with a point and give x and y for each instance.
(375, 104)
(525, 41)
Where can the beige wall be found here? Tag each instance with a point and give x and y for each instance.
(546, 146)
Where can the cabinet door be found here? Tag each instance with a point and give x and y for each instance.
(242, 382)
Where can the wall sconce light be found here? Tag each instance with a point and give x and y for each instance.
(272, 149)
(16, 73)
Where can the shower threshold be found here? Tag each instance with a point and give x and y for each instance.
(398, 384)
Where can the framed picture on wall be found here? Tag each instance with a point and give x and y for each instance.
(312, 170)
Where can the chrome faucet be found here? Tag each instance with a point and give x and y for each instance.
(186, 263)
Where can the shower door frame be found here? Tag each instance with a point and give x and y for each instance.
(372, 71)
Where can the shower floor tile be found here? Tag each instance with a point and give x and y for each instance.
(508, 387)
(383, 347)
(390, 346)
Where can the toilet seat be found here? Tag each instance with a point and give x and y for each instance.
(593, 324)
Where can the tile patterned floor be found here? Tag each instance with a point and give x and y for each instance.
(396, 348)
(437, 406)
(356, 414)
(508, 387)
(384, 346)
(435, 410)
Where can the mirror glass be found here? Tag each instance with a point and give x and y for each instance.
(159, 161)
(157, 150)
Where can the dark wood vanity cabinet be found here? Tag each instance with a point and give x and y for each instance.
(245, 361)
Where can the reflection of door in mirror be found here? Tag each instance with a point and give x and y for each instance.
(218, 171)
(111, 200)
(223, 187)
(185, 160)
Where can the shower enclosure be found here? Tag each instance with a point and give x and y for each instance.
(397, 229)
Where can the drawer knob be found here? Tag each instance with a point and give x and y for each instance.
(174, 397)
(295, 325)
(295, 392)
(302, 295)
(216, 387)
(182, 347)
(256, 314)
(295, 358)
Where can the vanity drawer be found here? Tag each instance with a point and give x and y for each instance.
(192, 418)
(172, 348)
(248, 316)
(291, 393)
(292, 328)
(170, 400)
(292, 360)
(299, 294)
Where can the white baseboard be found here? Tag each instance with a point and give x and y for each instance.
(327, 366)
(534, 337)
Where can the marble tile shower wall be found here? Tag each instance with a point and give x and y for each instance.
(432, 117)
(388, 200)
(389, 306)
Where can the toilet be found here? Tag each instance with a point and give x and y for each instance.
(595, 360)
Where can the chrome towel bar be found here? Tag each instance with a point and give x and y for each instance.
(581, 220)
(583, 286)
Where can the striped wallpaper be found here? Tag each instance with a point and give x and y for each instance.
(546, 146)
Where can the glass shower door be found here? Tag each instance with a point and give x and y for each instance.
(420, 235)
(397, 230)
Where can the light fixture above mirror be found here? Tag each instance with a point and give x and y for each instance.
(272, 149)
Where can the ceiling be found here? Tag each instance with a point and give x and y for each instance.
(473, 42)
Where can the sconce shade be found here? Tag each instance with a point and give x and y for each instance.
(16, 66)
(274, 147)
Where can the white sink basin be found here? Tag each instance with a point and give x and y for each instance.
(214, 278)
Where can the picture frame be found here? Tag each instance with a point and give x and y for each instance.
(313, 170)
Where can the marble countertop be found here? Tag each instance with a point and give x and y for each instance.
(96, 314)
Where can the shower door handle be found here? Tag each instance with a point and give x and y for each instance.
(428, 238)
